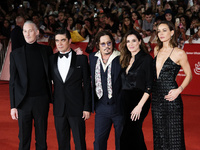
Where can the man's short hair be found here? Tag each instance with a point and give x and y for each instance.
(31, 22)
(110, 15)
(148, 12)
(63, 31)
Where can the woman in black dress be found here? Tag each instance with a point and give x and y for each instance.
(137, 79)
(167, 106)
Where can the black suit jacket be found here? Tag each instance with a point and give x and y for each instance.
(18, 73)
(74, 95)
(116, 80)
(17, 38)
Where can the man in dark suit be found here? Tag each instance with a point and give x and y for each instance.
(72, 92)
(106, 90)
(30, 88)
(17, 38)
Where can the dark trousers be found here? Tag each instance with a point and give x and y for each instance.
(33, 108)
(104, 118)
(63, 125)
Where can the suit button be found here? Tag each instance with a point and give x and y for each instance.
(107, 103)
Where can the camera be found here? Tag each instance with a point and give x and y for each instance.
(177, 21)
(76, 5)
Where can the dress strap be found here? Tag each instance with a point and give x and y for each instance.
(171, 52)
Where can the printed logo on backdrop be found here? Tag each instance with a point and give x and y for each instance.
(181, 73)
(197, 68)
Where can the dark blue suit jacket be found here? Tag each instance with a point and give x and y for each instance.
(116, 80)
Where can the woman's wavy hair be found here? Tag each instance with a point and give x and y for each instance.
(173, 40)
(125, 53)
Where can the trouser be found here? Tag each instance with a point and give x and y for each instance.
(63, 125)
(104, 118)
(33, 108)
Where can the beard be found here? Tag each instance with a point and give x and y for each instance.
(107, 51)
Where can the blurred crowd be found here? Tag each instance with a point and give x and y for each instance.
(89, 17)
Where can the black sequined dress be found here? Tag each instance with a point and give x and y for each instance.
(167, 116)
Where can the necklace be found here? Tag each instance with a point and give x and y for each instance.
(105, 61)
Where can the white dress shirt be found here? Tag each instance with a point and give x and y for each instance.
(63, 65)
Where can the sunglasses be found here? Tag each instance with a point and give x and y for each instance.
(104, 44)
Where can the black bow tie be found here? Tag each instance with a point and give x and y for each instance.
(66, 55)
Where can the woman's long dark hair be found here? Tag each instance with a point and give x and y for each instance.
(127, 28)
(173, 40)
(125, 53)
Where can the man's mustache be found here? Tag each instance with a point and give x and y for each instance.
(107, 48)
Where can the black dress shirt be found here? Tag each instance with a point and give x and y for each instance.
(140, 75)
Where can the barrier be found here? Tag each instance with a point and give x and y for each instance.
(192, 51)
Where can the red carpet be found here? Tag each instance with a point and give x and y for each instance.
(9, 128)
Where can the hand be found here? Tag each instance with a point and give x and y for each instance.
(85, 27)
(172, 94)
(135, 114)
(14, 114)
(86, 115)
(78, 51)
(110, 2)
(190, 40)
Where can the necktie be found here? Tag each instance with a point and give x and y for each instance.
(66, 55)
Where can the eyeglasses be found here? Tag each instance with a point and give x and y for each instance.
(104, 44)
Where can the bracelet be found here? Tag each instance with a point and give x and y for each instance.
(181, 88)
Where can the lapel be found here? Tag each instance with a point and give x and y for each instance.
(93, 65)
(56, 67)
(115, 70)
(138, 60)
(71, 68)
(22, 57)
(72, 65)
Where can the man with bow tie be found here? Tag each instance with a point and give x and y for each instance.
(72, 92)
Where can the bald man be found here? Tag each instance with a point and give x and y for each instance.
(17, 38)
